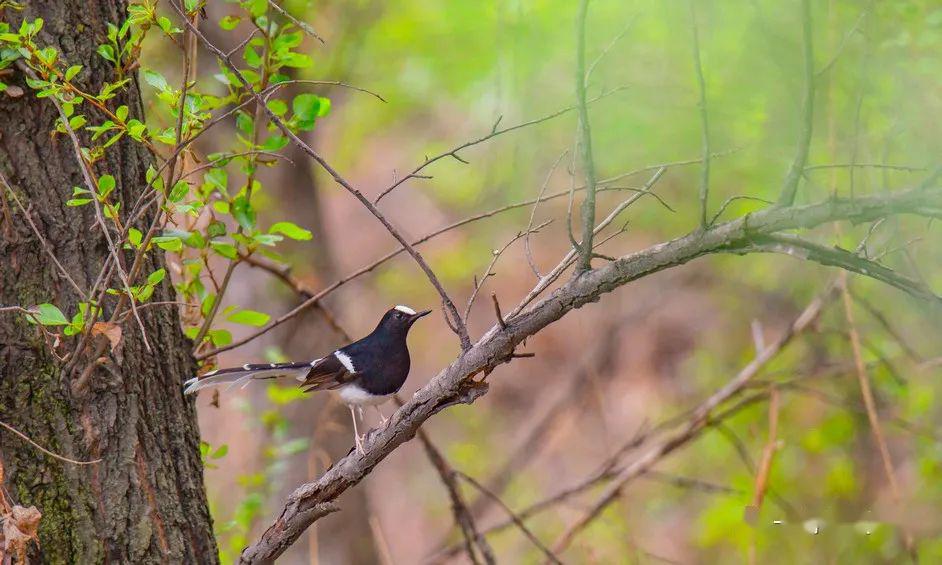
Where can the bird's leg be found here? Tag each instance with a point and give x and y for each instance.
(356, 434)
(380, 412)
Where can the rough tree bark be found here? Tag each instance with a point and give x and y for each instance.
(144, 502)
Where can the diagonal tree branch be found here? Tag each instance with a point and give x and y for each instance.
(451, 310)
(454, 385)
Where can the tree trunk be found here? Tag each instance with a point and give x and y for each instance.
(144, 502)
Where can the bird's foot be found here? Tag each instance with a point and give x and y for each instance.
(359, 443)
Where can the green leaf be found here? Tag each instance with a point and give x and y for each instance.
(217, 178)
(76, 122)
(220, 337)
(122, 112)
(156, 80)
(282, 395)
(168, 243)
(135, 236)
(249, 318)
(227, 250)
(49, 315)
(217, 228)
(278, 107)
(179, 191)
(77, 201)
(243, 213)
(107, 53)
(157, 276)
(291, 230)
(220, 451)
(307, 107)
(106, 184)
(229, 22)
(72, 71)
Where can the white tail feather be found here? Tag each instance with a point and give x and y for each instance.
(243, 378)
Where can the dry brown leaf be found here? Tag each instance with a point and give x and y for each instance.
(19, 528)
(109, 330)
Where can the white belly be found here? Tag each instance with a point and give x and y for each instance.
(352, 395)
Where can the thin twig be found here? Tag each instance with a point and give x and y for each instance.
(585, 144)
(39, 235)
(704, 118)
(315, 299)
(463, 517)
(304, 26)
(516, 519)
(433, 279)
(792, 178)
(496, 256)
(26, 438)
(453, 153)
(526, 241)
(765, 464)
(87, 176)
(698, 420)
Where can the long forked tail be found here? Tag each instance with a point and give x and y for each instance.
(242, 375)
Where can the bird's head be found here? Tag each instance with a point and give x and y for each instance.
(400, 319)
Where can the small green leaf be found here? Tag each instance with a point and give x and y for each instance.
(306, 106)
(72, 71)
(217, 228)
(220, 337)
(107, 53)
(156, 80)
(49, 315)
(220, 451)
(168, 243)
(243, 213)
(77, 201)
(106, 184)
(122, 112)
(227, 250)
(157, 276)
(249, 318)
(135, 236)
(179, 191)
(229, 22)
(291, 230)
(278, 107)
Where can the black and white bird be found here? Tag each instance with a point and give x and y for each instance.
(367, 372)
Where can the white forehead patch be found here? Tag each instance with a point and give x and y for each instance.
(405, 310)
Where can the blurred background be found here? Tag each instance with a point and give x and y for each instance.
(646, 353)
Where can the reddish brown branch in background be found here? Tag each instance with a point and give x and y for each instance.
(765, 464)
(697, 421)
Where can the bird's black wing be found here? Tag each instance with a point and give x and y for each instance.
(327, 373)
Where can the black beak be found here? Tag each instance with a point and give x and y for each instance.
(418, 315)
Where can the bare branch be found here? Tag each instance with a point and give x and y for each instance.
(516, 519)
(454, 152)
(704, 119)
(433, 279)
(459, 507)
(526, 241)
(489, 272)
(453, 385)
(304, 26)
(792, 178)
(585, 144)
(697, 421)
